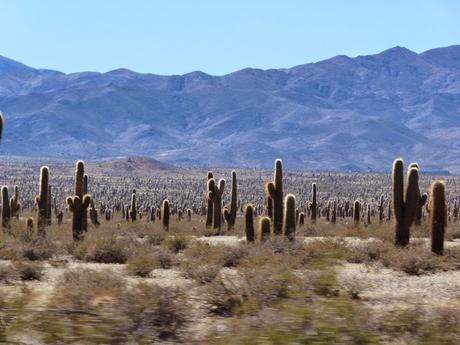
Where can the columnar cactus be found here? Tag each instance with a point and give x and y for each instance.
(356, 212)
(269, 206)
(215, 195)
(368, 214)
(93, 215)
(249, 223)
(42, 200)
(289, 217)
(422, 199)
(1, 125)
(275, 191)
(85, 212)
(79, 203)
(152, 213)
(264, 229)
(14, 203)
(30, 224)
(381, 209)
(230, 210)
(78, 207)
(209, 210)
(6, 211)
(301, 218)
(48, 206)
(313, 204)
(334, 212)
(438, 216)
(165, 210)
(404, 203)
(133, 207)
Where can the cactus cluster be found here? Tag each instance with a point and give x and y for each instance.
(404, 201)
(230, 210)
(275, 192)
(215, 193)
(79, 203)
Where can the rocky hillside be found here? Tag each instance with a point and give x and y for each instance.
(342, 113)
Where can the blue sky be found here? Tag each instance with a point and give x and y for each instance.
(215, 36)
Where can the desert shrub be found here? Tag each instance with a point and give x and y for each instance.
(35, 248)
(230, 256)
(413, 260)
(202, 273)
(155, 312)
(103, 250)
(98, 307)
(156, 237)
(144, 261)
(177, 243)
(29, 270)
(366, 252)
(250, 289)
(8, 274)
(39, 249)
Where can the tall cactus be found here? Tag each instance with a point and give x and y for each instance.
(85, 212)
(165, 210)
(1, 125)
(6, 211)
(133, 207)
(215, 195)
(48, 206)
(14, 203)
(404, 203)
(79, 203)
(249, 223)
(422, 199)
(93, 215)
(438, 216)
(264, 229)
(356, 212)
(289, 217)
(230, 210)
(381, 210)
(334, 212)
(314, 203)
(42, 200)
(275, 191)
(209, 210)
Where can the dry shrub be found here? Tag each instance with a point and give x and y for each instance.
(156, 237)
(250, 289)
(144, 261)
(155, 312)
(103, 249)
(414, 260)
(98, 307)
(366, 252)
(29, 270)
(177, 243)
(35, 248)
(8, 274)
(202, 273)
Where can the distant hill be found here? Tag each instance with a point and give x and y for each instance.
(341, 113)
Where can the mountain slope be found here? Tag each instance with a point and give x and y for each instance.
(340, 113)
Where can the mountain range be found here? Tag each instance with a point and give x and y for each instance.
(338, 114)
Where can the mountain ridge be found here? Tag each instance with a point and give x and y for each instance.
(337, 113)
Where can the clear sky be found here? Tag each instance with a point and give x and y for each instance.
(215, 36)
